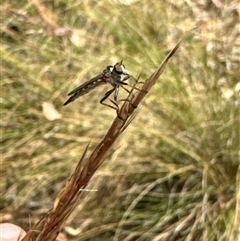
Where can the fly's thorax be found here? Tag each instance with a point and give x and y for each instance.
(108, 71)
(116, 73)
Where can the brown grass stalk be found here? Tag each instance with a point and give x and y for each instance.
(68, 198)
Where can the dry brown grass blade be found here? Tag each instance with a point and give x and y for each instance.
(68, 197)
(46, 14)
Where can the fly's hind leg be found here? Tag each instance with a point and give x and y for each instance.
(115, 107)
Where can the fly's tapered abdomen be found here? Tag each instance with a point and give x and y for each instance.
(85, 88)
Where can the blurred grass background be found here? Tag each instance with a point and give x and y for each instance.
(174, 173)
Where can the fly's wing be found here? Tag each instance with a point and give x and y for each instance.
(86, 87)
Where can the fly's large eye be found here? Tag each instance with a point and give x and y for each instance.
(118, 68)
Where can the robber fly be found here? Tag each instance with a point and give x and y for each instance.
(115, 75)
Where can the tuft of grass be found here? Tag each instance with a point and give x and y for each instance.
(174, 174)
(68, 197)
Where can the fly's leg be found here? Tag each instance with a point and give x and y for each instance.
(116, 95)
(132, 86)
(116, 107)
(136, 80)
(131, 95)
(125, 88)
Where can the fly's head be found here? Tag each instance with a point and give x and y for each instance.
(118, 71)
